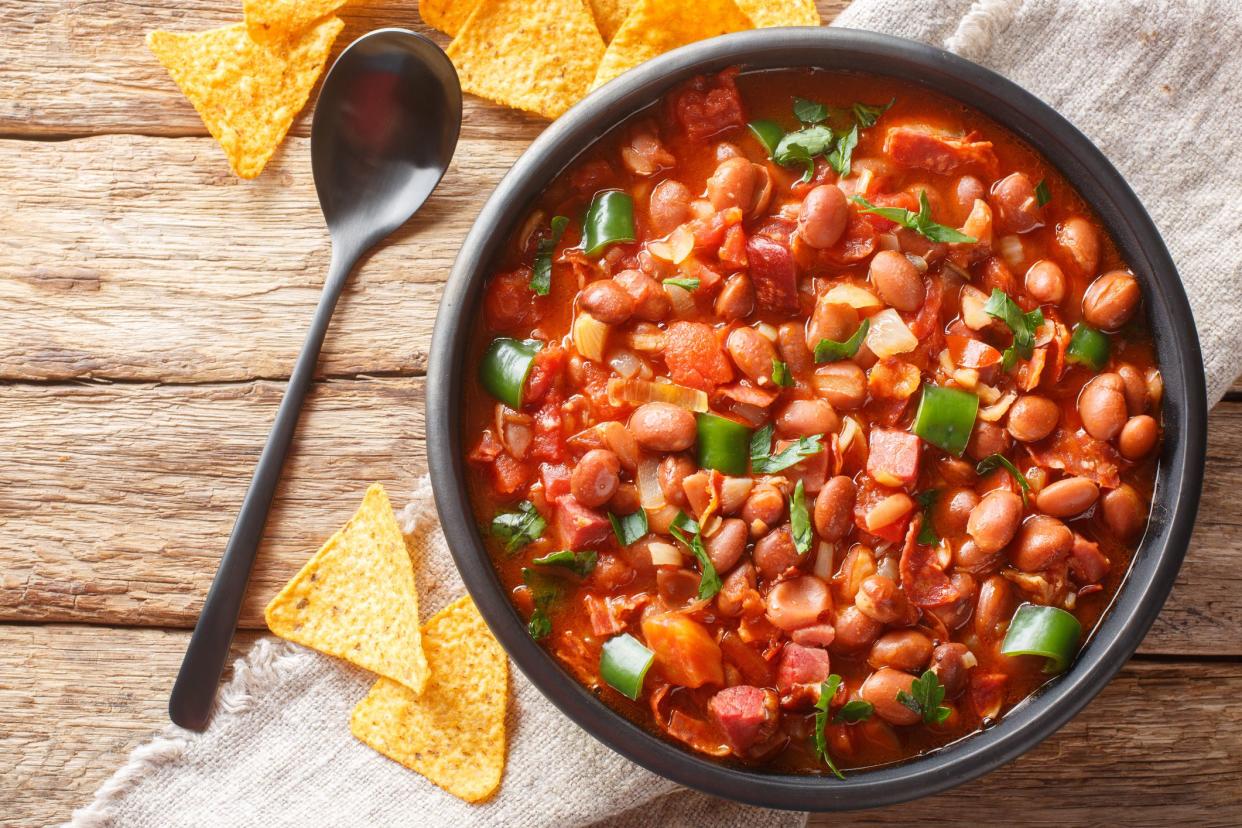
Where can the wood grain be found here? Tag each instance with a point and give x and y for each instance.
(1162, 739)
(116, 499)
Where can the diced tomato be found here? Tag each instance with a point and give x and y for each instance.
(549, 440)
(857, 242)
(732, 252)
(905, 200)
(1079, 454)
(745, 714)
(894, 457)
(924, 147)
(509, 477)
(922, 579)
(708, 104)
(509, 302)
(544, 371)
(487, 450)
(694, 356)
(710, 231)
(968, 352)
(578, 526)
(773, 274)
(684, 650)
(871, 493)
(555, 477)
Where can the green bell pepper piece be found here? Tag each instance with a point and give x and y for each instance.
(1043, 631)
(724, 444)
(945, 417)
(1088, 347)
(506, 365)
(609, 219)
(623, 664)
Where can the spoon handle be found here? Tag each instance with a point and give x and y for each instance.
(194, 693)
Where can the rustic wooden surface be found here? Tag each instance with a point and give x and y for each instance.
(150, 308)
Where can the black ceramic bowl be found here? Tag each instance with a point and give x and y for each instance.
(1178, 481)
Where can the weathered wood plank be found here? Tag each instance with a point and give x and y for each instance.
(115, 501)
(136, 258)
(1163, 739)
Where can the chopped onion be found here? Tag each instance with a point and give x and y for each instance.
(637, 392)
(516, 438)
(590, 336)
(889, 336)
(968, 658)
(1011, 251)
(675, 247)
(998, 409)
(683, 302)
(649, 492)
(988, 394)
(973, 313)
(887, 566)
(957, 270)
(647, 338)
(625, 363)
(664, 554)
(978, 224)
(824, 553)
(767, 331)
(920, 264)
(850, 431)
(965, 377)
(733, 493)
(854, 296)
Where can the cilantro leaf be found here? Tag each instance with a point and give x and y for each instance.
(853, 712)
(780, 374)
(709, 581)
(802, 146)
(926, 500)
(691, 284)
(762, 461)
(541, 275)
(544, 590)
(629, 528)
(868, 114)
(924, 699)
(1042, 194)
(580, 563)
(1022, 325)
(839, 158)
(518, 528)
(995, 461)
(800, 520)
(809, 112)
(826, 691)
(919, 222)
(826, 350)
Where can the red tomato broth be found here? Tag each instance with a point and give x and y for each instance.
(768, 95)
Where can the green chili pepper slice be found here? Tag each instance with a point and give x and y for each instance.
(623, 664)
(1088, 347)
(724, 444)
(609, 219)
(769, 134)
(945, 417)
(1043, 631)
(506, 365)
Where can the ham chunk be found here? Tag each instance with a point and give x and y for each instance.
(745, 715)
(772, 273)
(801, 672)
(894, 457)
(579, 526)
(927, 148)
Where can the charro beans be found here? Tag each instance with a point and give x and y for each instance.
(1032, 418)
(897, 280)
(823, 216)
(834, 508)
(661, 426)
(1111, 300)
(1138, 437)
(805, 418)
(1102, 406)
(596, 477)
(993, 523)
(1068, 497)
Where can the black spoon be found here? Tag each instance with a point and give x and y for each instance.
(385, 128)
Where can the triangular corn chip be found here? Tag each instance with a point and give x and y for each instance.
(609, 15)
(246, 93)
(269, 21)
(446, 15)
(767, 13)
(540, 57)
(454, 732)
(356, 599)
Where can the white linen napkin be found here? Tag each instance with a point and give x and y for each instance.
(1149, 82)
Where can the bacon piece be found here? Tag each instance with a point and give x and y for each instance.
(509, 477)
(894, 457)
(694, 356)
(1079, 454)
(987, 693)
(1087, 564)
(579, 526)
(708, 104)
(746, 716)
(927, 148)
(922, 579)
(772, 273)
(548, 443)
(857, 242)
(555, 477)
(609, 615)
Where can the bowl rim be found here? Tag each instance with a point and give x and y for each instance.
(1179, 477)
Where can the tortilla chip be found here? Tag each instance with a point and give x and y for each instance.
(446, 15)
(356, 599)
(656, 26)
(274, 20)
(246, 93)
(454, 733)
(539, 56)
(609, 15)
(767, 13)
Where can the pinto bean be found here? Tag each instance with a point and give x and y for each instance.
(993, 608)
(830, 320)
(752, 353)
(968, 557)
(855, 630)
(1124, 513)
(1080, 242)
(881, 689)
(1102, 406)
(1014, 199)
(651, 303)
(659, 426)
(596, 477)
(987, 439)
(669, 206)
(607, 301)
(774, 553)
(766, 505)
(967, 190)
(880, 598)
(834, 508)
(1068, 497)
(1032, 418)
(1111, 300)
(736, 587)
(732, 184)
(950, 664)
(1045, 282)
(625, 501)
(952, 511)
(843, 384)
(901, 650)
(1042, 543)
(806, 418)
(897, 280)
(725, 548)
(956, 613)
(1134, 388)
(791, 341)
(823, 217)
(994, 521)
(736, 299)
(671, 474)
(798, 602)
(1138, 437)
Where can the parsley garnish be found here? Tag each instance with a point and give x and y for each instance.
(802, 146)
(780, 374)
(800, 520)
(809, 112)
(868, 114)
(853, 712)
(691, 284)
(826, 691)
(826, 350)
(919, 222)
(762, 461)
(839, 158)
(518, 528)
(993, 461)
(1023, 325)
(1042, 194)
(541, 277)
(544, 591)
(925, 698)
(581, 563)
(630, 527)
(709, 581)
(926, 500)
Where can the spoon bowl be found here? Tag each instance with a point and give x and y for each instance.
(385, 128)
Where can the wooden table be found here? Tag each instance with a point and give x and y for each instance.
(151, 305)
